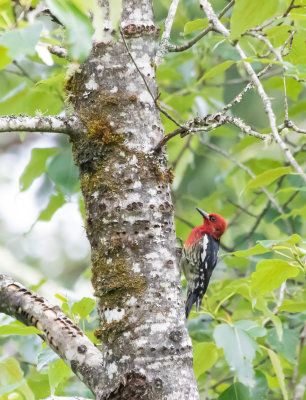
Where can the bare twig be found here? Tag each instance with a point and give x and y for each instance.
(291, 125)
(181, 153)
(245, 168)
(68, 125)
(58, 51)
(166, 34)
(198, 37)
(250, 85)
(265, 99)
(209, 123)
(243, 209)
(155, 99)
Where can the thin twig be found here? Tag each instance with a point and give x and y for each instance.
(199, 36)
(243, 209)
(155, 99)
(245, 168)
(181, 153)
(265, 99)
(166, 34)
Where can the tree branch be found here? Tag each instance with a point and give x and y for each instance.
(58, 51)
(19, 123)
(166, 34)
(198, 37)
(206, 6)
(61, 334)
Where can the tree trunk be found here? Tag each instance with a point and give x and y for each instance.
(129, 217)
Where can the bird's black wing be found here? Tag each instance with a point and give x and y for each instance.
(204, 264)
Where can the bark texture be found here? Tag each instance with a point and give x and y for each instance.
(130, 223)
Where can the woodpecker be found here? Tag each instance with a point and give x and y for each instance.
(199, 257)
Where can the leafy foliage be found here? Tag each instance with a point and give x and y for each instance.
(248, 335)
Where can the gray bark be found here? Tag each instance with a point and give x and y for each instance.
(130, 223)
(146, 351)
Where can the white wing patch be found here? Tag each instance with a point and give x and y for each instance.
(205, 243)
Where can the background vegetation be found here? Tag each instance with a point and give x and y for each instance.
(248, 337)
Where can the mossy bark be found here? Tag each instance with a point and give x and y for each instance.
(129, 218)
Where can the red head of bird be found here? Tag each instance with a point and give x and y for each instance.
(213, 224)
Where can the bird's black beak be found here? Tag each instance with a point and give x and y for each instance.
(203, 213)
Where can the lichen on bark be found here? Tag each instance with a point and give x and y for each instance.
(129, 218)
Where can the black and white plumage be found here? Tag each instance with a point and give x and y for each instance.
(198, 262)
(200, 256)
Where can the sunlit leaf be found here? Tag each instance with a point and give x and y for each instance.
(205, 356)
(196, 25)
(36, 166)
(258, 249)
(18, 329)
(58, 372)
(268, 177)
(4, 58)
(55, 202)
(83, 307)
(248, 14)
(218, 69)
(279, 372)
(270, 274)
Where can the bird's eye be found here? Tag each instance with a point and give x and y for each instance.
(212, 218)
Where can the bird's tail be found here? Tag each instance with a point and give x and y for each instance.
(191, 299)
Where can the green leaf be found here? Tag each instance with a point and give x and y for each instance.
(204, 357)
(293, 306)
(64, 172)
(10, 388)
(83, 307)
(18, 329)
(239, 349)
(36, 166)
(261, 389)
(58, 373)
(11, 374)
(258, 249)
(196, 25)
(78, 25)
(268, 177)
(293, 239)
(278, 371)
(248, 14)
(55, 202)
(216, 70)
(237, 391)
(45, 358)
(21, 41)
(251, 327)
(270, 274)
(287, 346)
(4, 58)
